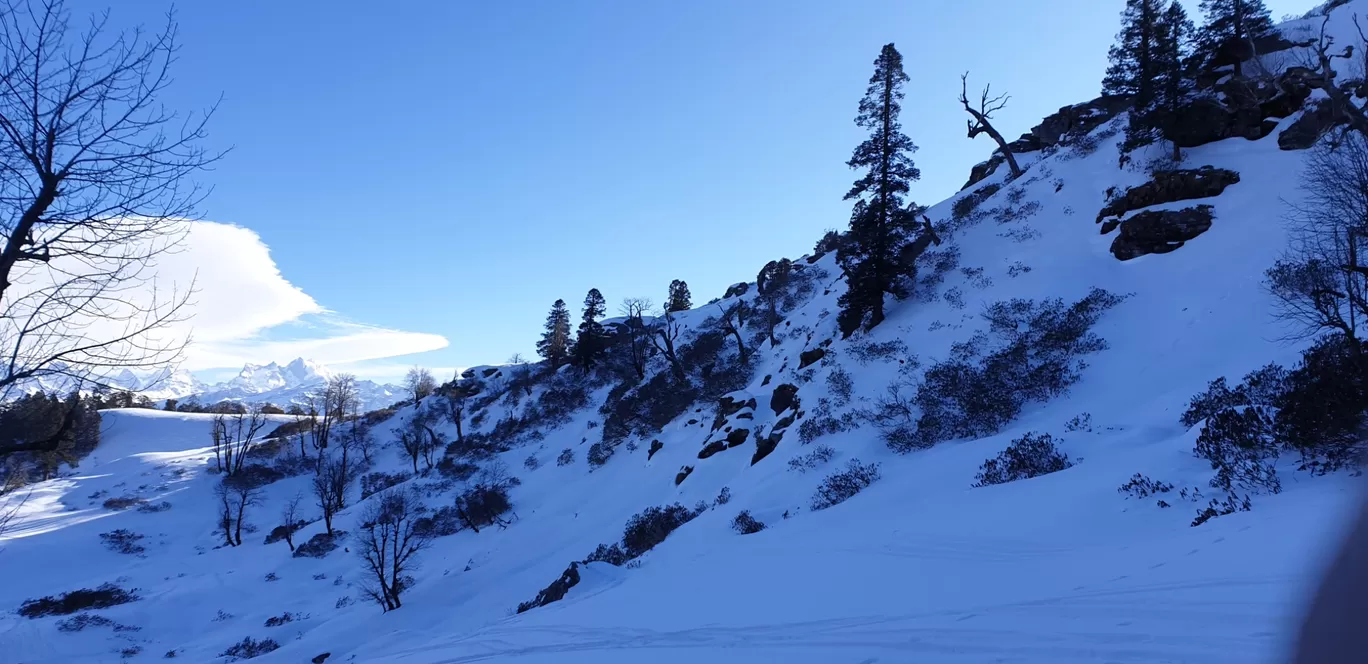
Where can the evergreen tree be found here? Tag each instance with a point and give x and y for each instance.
(872, 254)
(555, 341)
(589, 339)
(679, 299)
(1229, 27)
(1131, 71)
(1172, 84)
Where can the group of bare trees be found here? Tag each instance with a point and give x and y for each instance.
(233, 436)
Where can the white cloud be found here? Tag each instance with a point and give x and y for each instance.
(243, 304)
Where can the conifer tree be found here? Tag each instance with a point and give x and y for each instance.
(872, 255)
(1131, 71)
(589, 339)
(555, 342)
(1230, 26)
(1172, 84)
(679, 299)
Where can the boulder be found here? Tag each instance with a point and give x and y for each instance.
(1160, 231)
(683, 473)
(736, 290)
(785, 397)
(1306, 130)
(1171, 186)
(764, 445)
(737, 437)
(656, 446)
(319, 659)
(707, 451)
(556, 591)
(809, 357)
(1077, 120)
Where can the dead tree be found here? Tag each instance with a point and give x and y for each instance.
(330, 486)
(454, 406)
(634, 310)
(980, 123)
(95, 187)
(233, 436)
(289, 518)
(1341, 101)
(389, 542)
(664, 333)
(732, 321)
(235, 495)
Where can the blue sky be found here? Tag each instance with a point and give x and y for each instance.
(450, 168)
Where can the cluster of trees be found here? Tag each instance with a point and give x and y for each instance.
(1159, 52)
(39, 432)
(587, 346)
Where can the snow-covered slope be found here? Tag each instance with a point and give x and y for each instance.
(918, 567)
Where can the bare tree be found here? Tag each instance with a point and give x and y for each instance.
(1321, 282)
(453, 406)
(389, 543)
(330, 486)
(10, 504)
(664, 333)
(235, 495)
(634, 310)
(233, 436)
(1322, 61)
(733, 321)
(420, 383)
(94, 186)
(289, 518)
(338, 400)
(360, 438)
(982, 115)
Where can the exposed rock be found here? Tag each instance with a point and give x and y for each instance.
(1206, 120)
(764, 445)
(766, 381)
(656, 446)
(683, 473)
(1171, 186)
(1110, 225)
(556, 591)
(737, 437)
(1159, 232)
(785, 397)
(489, 372)
(983, 169)
(709, 450)
(319, 659)
(787, 421)
(809, 357)
(736, 290)
(1306, 130)
(732, 404)
(1077, 120)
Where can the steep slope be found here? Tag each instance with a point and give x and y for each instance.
(921, 565)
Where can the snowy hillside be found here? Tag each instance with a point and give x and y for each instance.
(919, 566)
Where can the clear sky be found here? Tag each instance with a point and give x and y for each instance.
(449, 168)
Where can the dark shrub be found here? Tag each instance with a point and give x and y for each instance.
(374, 483)
(483, 505)
(1143, 487)
(567, 457)
(456, 469)
(599, 454)
(103, 597)
(746, 524)
(320, 545)
(1263, 387)
(1321, 414)
(277, 621)
(153, 508)
(645, 410)
(840, 487)
(829, 242)
(1221, 508)
(123, 503)
(248, 648)
(976, 392)
(611, 554)
(279, 533)
(81, 621)
(1239, 444)
(723, 496)
(1031, 455)
(442, 522)
(123, 541)
(819, 456)
(652, 525)
(821, 422)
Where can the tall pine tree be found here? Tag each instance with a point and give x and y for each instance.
(555, 341)
(1230, 27)
(589, 339)
(872, 255)
(1172, 84)
(679, 298)
(1132, 69)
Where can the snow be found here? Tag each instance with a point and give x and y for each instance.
(918, 567)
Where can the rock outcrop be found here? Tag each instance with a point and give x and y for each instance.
(556, 591)
(1170, 187)
(1160, 231)
(1305, 131)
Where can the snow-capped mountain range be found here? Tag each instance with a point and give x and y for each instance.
(282, 385)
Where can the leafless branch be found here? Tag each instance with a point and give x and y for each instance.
(981, 119)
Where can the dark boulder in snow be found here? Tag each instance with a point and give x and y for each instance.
(1206, 120)
(809, 357)
(1077, 120)
(682, 475)
(711, 449)
(736, 290)
(764, 445)
(737, 437)
(785, 396)
(1160, 231)
(656, 446)
(1306, 130)
(1171, 186)
(556, 591)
